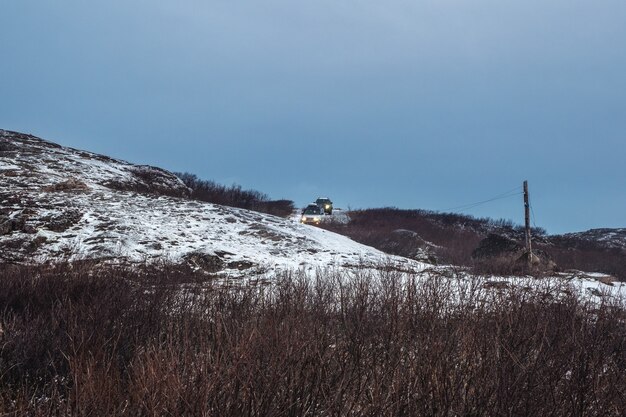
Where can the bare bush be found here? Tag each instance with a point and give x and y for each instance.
(145, 179)
(457, 237)
(589, 257)
(79, 341)
(68, 185)
(235, 196)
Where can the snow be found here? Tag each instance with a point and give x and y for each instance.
(5, 166)
(115, 225)
(608, 238)
(145, 227)
(339, 216)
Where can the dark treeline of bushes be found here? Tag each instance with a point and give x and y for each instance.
(587, 256)
(234, 196)
(457, 236)
(120, 343)
(432, 221)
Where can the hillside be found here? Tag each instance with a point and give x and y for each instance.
(166, 316)
(59, 203)
(451, 238)
(605, 238)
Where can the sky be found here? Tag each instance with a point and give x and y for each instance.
(429, 104)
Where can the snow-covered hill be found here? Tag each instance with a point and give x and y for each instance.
(605, 238)
(58, 203)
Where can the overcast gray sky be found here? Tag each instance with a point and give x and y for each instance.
(415, 104)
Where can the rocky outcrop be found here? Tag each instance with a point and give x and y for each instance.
(205, 262)
(72, 170)
(16, 224)
(496, 246)
(146, 179)
(63, 221)
(409, 244)
(83, 206)
(508, 255)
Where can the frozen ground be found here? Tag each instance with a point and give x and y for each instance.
(70, 204)
(60, 204)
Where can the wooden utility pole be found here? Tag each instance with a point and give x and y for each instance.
(529, 251)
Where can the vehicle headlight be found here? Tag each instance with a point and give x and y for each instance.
(316, 219)
(303, 218)
(327, 206)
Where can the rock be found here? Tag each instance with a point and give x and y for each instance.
(509, 255)
(409, 244)
(205, 262)
(495, 246)
(241, 265)
(35, 244)
(63, 221)
(8, 226)
(150, 180)
(29, 229)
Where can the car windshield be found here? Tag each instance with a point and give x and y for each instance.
(323, 201)
(312, 210)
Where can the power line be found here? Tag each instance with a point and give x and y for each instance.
(511, 193)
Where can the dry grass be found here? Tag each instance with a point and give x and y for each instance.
(68, 185)
(458, 236)
(235, 196)
(80, 342)
(590, 257)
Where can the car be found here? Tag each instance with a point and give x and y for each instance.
(325, 204)
(311, 214)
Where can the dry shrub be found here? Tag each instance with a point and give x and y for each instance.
(79, 341)
(235, 196)
(10, 173)
(459, 235)
(68, 185)
(146, 179)
(589, 257)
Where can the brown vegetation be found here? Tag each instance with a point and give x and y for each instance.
(78, 341)
(146, 179)
(234, 196)
(67, 186)
(458, 236)
(589, 257)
